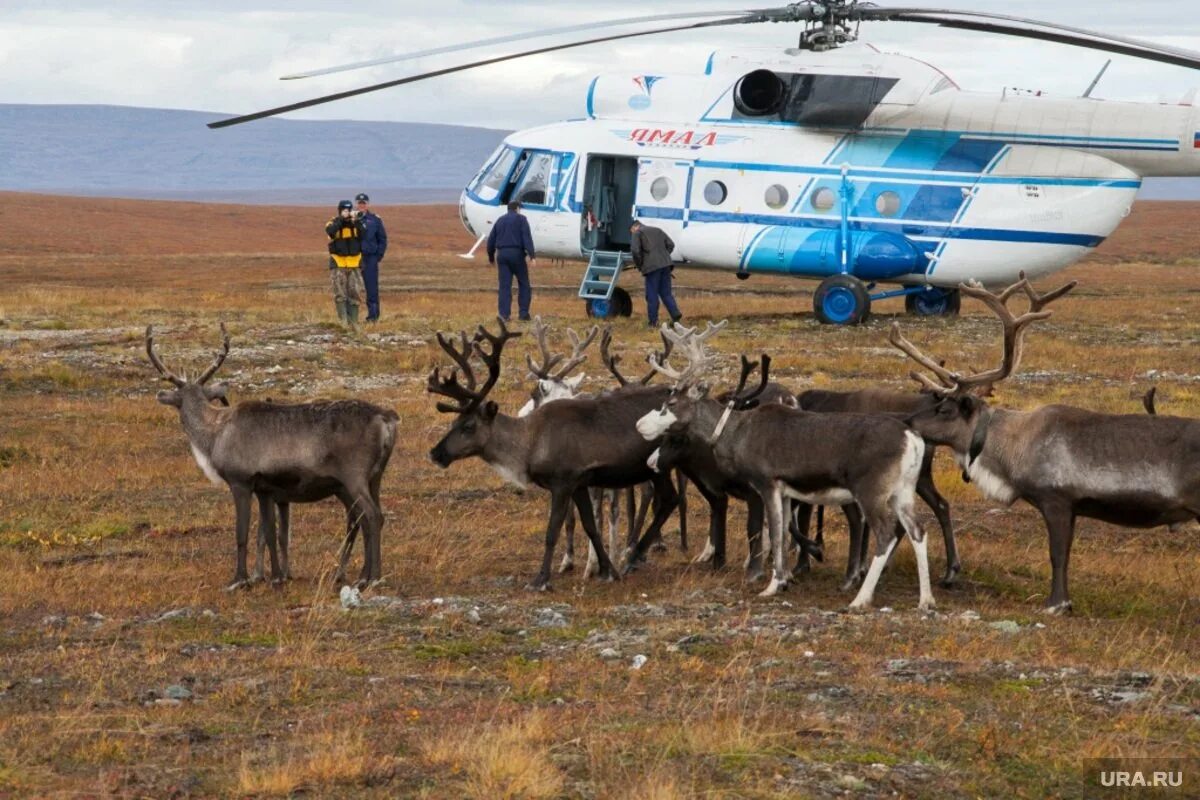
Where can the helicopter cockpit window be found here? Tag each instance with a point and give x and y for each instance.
(488, 188)
(534, 187)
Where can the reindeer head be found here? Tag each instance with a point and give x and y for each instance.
(550, 385)
(688, 385)
(189, 391)
(956, 402)
(470, 432)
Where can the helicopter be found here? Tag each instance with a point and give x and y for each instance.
(829, 160)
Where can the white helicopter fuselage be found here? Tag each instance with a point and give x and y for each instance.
(886, 171)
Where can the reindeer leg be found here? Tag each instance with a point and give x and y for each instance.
(665, 501)
(682, 489)
(284, 536)
(568, 559)
(928, 492)
(260, 556)
(773, 503)
(857, 551)
(883, 551)
(798, 522)
(718, 512)
(241, 503)
(266, 530)
(587, 518)
(372, 525)
(614, 517)
(754, 538)
(592, 568)
(1060, 523)
(353, 523)
(560, 506)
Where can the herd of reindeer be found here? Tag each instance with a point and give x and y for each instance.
(869, 451)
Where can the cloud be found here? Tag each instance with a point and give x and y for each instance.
(227, 56)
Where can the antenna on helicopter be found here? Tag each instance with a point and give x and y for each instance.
(828, 24)
(1096, 80)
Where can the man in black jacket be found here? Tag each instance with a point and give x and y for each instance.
(507, 246)
(651, 250)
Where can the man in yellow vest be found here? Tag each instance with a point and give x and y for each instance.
(345, 257)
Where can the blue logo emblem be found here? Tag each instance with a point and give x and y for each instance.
(645, 84)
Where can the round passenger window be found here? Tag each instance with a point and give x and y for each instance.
(824, 199)
(660, 189)
(776, 196)
(715, 193)
(887, 204)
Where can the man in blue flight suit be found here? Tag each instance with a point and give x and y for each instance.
(651, 249)
(508, 244)
(374, 245)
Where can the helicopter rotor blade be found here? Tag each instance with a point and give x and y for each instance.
(516, 37)
(784, 14)
(1031, 29)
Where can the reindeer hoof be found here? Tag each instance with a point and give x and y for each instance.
(859, 608)
(659, 546)
(567, 565)
(1058, 609)
(238, 583)
(612, 576)
(950, 578)
(705, 555)
(537, 586)
(254, 579)
(773, 588)
(927, 605)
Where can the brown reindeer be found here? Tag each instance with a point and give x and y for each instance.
(284, 454)
(1136, 470)
(784, 452)
(563, 447)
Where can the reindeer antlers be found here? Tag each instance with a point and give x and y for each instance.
(175, 379)
(612, 359)
(949, 382)
(549, 361)
(467, 398)
(692, 344)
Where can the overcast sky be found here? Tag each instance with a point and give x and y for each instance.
(226, 56)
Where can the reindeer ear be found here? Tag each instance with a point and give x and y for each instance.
(490, 410)
(217, 392)
(573, 382)
(968, 405)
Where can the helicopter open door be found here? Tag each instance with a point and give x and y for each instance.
(609, 193)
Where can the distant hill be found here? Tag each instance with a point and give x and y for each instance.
(116, 151)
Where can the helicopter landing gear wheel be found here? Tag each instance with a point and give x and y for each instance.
(842, 300)
(620, 304)
(933, 302)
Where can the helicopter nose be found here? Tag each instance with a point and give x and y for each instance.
(464, 204)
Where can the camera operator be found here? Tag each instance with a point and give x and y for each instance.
(345, 234)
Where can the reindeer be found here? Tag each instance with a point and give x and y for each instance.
(902, 404)
(873, 460)
(1135, 470)
(562, 447)
(549, 387)
(284, 454)
(636, 509)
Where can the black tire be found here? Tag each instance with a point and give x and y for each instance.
(934, 302)
(622, 302)
(842, 300)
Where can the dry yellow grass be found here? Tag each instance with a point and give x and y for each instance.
(114, 549)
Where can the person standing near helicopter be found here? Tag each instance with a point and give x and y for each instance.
(508, 244)
(650, 249)
(345, 234)
(374, 246)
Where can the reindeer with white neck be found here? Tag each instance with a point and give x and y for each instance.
(783, 452)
